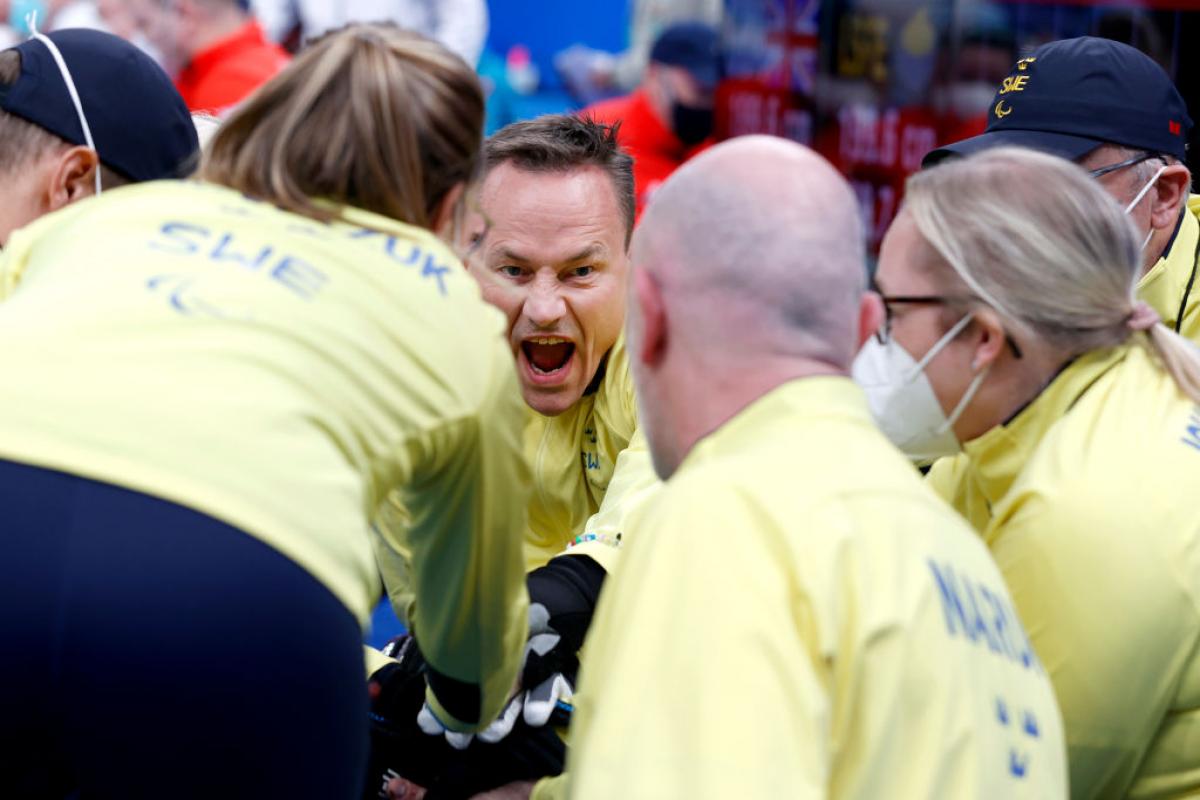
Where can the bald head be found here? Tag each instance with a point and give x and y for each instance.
(758, 248)
(748, 273)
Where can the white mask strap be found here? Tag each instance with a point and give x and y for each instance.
(34, 33)
(937, 347)
(969, 395)
(1150, 184)
(1146, 241)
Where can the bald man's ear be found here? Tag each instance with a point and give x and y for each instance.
(651, 336)
(72, 178)
(1171, 193)
(870, 317)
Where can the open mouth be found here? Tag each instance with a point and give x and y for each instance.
(547, 354)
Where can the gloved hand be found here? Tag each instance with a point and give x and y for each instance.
(408, 740)
(429, 723)
(562, 598)
(536, 705)
(398, 745)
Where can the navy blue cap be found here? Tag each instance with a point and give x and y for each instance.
(140, 124)
(1070, 96)
(694, 46)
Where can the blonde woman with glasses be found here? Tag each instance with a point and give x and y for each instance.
(209, 390)
(1015, 336)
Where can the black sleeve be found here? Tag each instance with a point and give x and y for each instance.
(567, 589)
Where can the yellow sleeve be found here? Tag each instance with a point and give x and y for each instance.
(466, 508)
(1086, 589)
(550, 788)
(634, 483)
(650, 722)
(393, 555)
(374, 660)
(950, 480)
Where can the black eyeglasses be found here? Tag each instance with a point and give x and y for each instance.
(1129, 162)
(884, 333)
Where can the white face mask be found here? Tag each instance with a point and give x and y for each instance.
(902, 399)
(1134, 202)
(34, 33)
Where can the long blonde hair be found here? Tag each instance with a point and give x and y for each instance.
(369, 116)
(1036, 239)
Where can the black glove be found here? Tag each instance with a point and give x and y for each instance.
(398, 745)
(563, 598)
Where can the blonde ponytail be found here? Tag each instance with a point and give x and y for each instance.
(1178, 356)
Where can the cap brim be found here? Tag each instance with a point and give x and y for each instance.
(1064, 145)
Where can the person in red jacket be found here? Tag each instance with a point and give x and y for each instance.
(222, 51)
(669, 117)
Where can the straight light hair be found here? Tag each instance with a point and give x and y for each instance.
(1036, 239)
(368, 116)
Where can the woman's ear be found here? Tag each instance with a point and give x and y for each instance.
(990, 338)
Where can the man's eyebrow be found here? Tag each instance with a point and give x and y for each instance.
(594, 250)
(508, 254)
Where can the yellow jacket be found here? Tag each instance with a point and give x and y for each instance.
(590, 468)
(283, 376)
(802, 619)
(1169, 287)
(1094, 522)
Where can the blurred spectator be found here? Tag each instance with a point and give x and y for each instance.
(222, 50)
(669, 118)
(8, 34)
(126, 18)
(122, 18)
(72, 14)
(985, 55)
(592, 74)
(460, 25)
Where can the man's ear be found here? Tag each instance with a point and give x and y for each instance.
(1169, 194)
(990, 338)
(72, 177)
(652, 315)
(870, 317)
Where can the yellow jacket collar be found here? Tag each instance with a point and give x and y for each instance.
(998, 456)
(819, 397)
(1169, 285)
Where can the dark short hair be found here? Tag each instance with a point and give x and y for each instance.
(560, 142)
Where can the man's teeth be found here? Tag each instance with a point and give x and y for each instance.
(547, 340)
